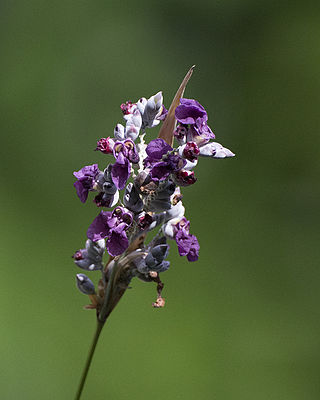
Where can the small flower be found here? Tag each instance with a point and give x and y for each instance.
(105, 145)
(112, 226)
(192, 113)
(86, 180)
(155, 150)
(171, 163)
(187, 244)
(161, 199)
(99, 228)
(128, 149)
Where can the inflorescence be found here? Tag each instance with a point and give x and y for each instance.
(150, 176)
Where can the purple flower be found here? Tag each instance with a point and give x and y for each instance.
(122, 215)
(86, 179)
(128, 149)
(118, 242)
(113, 226)
(161, 170)
(188, 245)
(192, 113)
(99, 229)
(121, 171)
(157, 148)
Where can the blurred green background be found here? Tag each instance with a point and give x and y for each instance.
(243, 322)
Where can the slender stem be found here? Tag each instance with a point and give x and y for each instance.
(89, 359)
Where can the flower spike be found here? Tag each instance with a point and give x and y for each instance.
(150, 174)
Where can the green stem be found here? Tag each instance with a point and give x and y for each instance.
(89, 359)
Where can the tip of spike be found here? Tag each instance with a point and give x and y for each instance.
(169, 124)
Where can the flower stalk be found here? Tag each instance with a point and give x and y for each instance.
(89, 359)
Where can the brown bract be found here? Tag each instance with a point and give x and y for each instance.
(169, 124)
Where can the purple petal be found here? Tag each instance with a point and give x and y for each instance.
(85, 176)
(82, 190)
(184, 242)
(160, 171)
(193, 254)
(112, 222)
(189, 111)
(163, 115)
(87, 171)
(117, 242)
(99, 228)
(120, 171)
(157, 148)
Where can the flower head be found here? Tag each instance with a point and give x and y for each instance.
(151, 174)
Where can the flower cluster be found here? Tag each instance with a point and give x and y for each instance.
(150, 176)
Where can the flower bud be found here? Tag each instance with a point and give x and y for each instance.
(189, 151)
(105, 145)
(215, 150)
(90, 258)
(152, 109)
(141, 104)
(132, 199)
(133, 125)
(145, 221)
(84, 284)
(127, 107)
(185, 178)
(119, 132)
(156, 255)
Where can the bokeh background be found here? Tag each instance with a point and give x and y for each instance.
(243, 322)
